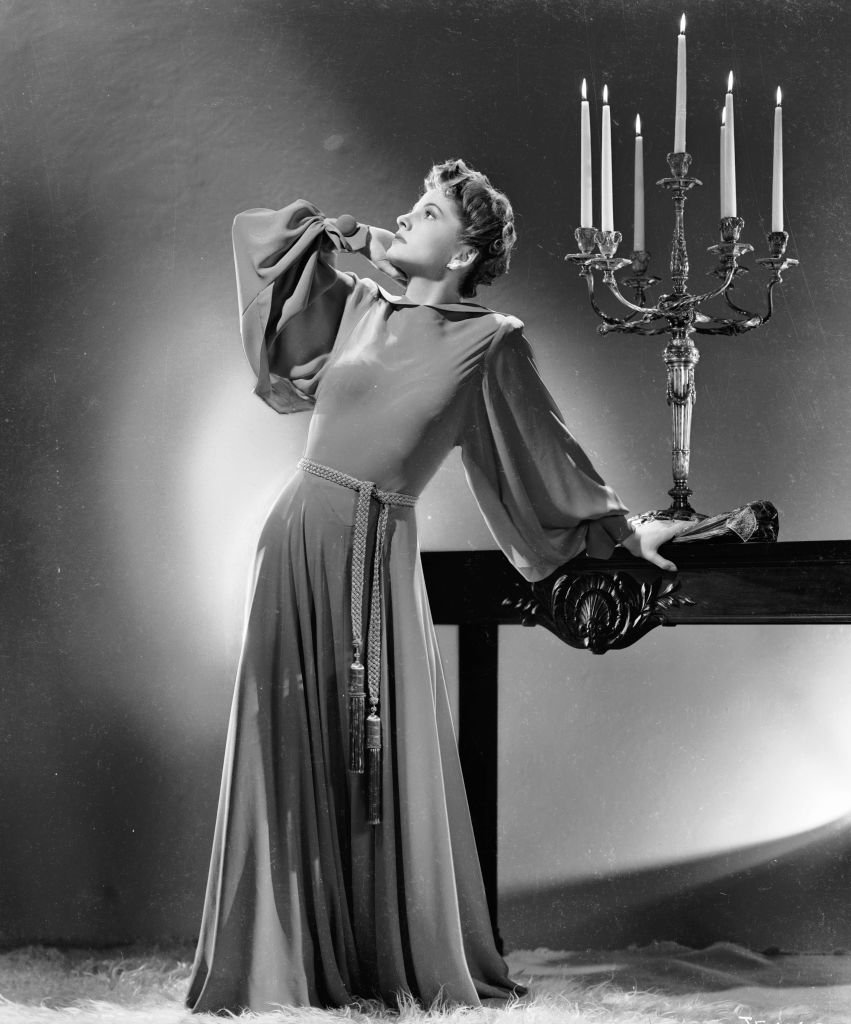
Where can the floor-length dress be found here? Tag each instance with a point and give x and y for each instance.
(307, 903)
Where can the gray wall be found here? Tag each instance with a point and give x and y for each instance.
(138, 467)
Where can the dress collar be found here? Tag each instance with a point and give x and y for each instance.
(473, 308)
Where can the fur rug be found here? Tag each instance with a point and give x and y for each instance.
(660, 984)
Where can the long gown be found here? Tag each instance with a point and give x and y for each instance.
(307, 903)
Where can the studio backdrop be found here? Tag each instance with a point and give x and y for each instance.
(696, 786)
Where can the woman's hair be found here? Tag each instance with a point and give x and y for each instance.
(486, 216)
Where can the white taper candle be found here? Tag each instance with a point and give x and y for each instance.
(606, 216)
(586, 187)
(777, 175)
(680, 109)
(638, 224)
(730, 147)
(722, 160)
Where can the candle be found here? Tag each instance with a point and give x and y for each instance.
(729, 209)
(606, 218)
(777, 177)
(586, 215)
(722, 161)
(680, 110)
(638, 224)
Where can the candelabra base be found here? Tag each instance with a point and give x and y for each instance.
(756, 521)
(669, 515)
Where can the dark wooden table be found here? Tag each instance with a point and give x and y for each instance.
(598, 605)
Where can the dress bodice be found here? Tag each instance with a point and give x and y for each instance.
(393, 397)
(395, 385)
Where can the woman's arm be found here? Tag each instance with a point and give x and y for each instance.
(291, 298)
(536, 487)
(372, 243)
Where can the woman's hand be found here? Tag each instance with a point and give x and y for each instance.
(380, 240)
(648, 537)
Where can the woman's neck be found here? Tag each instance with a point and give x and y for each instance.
(432, 293)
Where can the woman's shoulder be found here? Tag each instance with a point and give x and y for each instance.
(507, 330)
(509, 324)
(495, 323)
(489, 332)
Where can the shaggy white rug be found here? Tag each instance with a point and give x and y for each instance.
(660, 984)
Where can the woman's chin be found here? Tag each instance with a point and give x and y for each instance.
(400, 266)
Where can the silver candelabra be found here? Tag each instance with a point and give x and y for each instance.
(678, 313)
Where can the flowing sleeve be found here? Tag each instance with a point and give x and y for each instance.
(292, 298)
(541, 498)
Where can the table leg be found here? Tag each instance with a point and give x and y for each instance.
(478, 656)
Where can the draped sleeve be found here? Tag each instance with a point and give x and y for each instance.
(292, 299)
(541, 498)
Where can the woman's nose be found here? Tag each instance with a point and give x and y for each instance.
(402, 221)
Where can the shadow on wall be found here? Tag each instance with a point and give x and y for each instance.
(98, 848)
(759, 896)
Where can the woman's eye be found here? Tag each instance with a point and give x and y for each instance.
(429, 213)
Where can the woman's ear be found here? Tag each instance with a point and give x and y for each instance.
(463, 259)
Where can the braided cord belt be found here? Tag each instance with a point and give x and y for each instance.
(365, 730)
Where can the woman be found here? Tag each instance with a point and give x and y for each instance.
(344, 863)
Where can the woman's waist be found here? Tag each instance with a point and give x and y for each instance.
(387, 470)
(360, 484)
(397, 452)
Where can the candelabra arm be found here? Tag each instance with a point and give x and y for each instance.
(646, 311)
(639, 325)
(610, 322)
(699, 300)
(769, 295)
(718, 325)
(735, 308)
(709, 325)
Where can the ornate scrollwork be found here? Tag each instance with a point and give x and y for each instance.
(684, 397)
(599, 612)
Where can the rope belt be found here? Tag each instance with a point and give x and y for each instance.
(365, 730)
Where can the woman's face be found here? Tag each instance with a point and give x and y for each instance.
(428, 237)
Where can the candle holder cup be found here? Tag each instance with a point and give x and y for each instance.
(586, 240)
(679, 164)
(731, 228)
(777, 242)
(608, 242)
(640, 281)
(640, 262)
(680, 312)
(729, 249)
(777, 260)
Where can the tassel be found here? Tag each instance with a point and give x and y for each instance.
(373, 763)
(357, 710)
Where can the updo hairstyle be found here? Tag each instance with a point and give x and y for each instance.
(486, 216)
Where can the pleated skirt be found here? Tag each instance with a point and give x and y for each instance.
(306, 903)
